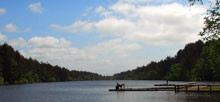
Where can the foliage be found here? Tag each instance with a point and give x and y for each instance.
(29, 77)
(192, 2)
(1, 81)
(176, 72)
(51, 79)
(22, 81)
(36, 77)
(211, 30)
(208, 66)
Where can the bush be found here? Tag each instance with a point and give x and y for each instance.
(22, 81)
(52, 79)
(1, 80)
(36, 77)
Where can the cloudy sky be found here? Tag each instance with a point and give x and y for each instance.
(103, 36)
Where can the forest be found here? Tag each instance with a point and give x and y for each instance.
(16, 69)
(198, 61)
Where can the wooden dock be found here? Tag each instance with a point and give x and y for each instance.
(164, 84)
(176, 88)
(197, 88)
(145, 89)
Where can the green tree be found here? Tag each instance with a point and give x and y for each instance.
(29, 77)
(36, 77)
(70, 78)
(208, 66)
(177, 72)
(51, 79)
(9, 64)
(1, 80)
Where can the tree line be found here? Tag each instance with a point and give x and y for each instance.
(197, 61)
(16, 69)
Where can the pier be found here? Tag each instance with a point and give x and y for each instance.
(145, 89)
(197, 88)
(188, 87)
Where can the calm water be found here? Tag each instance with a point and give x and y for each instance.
(96, 91)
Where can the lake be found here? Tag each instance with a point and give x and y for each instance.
(96, 91)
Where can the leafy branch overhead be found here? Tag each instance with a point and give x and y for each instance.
(192, 2)
(211, 30)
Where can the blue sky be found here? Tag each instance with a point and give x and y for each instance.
(103, 36)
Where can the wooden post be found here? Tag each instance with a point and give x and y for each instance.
(198, 88)
(178, 88)
(175, 88)
(210, 88)
(186, 88)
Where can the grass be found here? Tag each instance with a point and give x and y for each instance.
(214, 88)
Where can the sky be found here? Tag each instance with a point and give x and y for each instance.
(101, 36)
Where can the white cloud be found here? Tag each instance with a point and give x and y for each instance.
(124, 8)
(100, 9)
(143, 1)
(96, 58)
(14, 28)
(166, 24)
(114, 26)
(163, 24)
(48, 42)
(75, 27)
(2, 37)
(11, 28)
(36, 7)
(114, 46)
(20, 42)
(2, 11)
(45, 48)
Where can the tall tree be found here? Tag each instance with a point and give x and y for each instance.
(208, 66)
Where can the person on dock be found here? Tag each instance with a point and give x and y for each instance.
(117, 86)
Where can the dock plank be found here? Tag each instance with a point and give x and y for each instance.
(145, 89)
